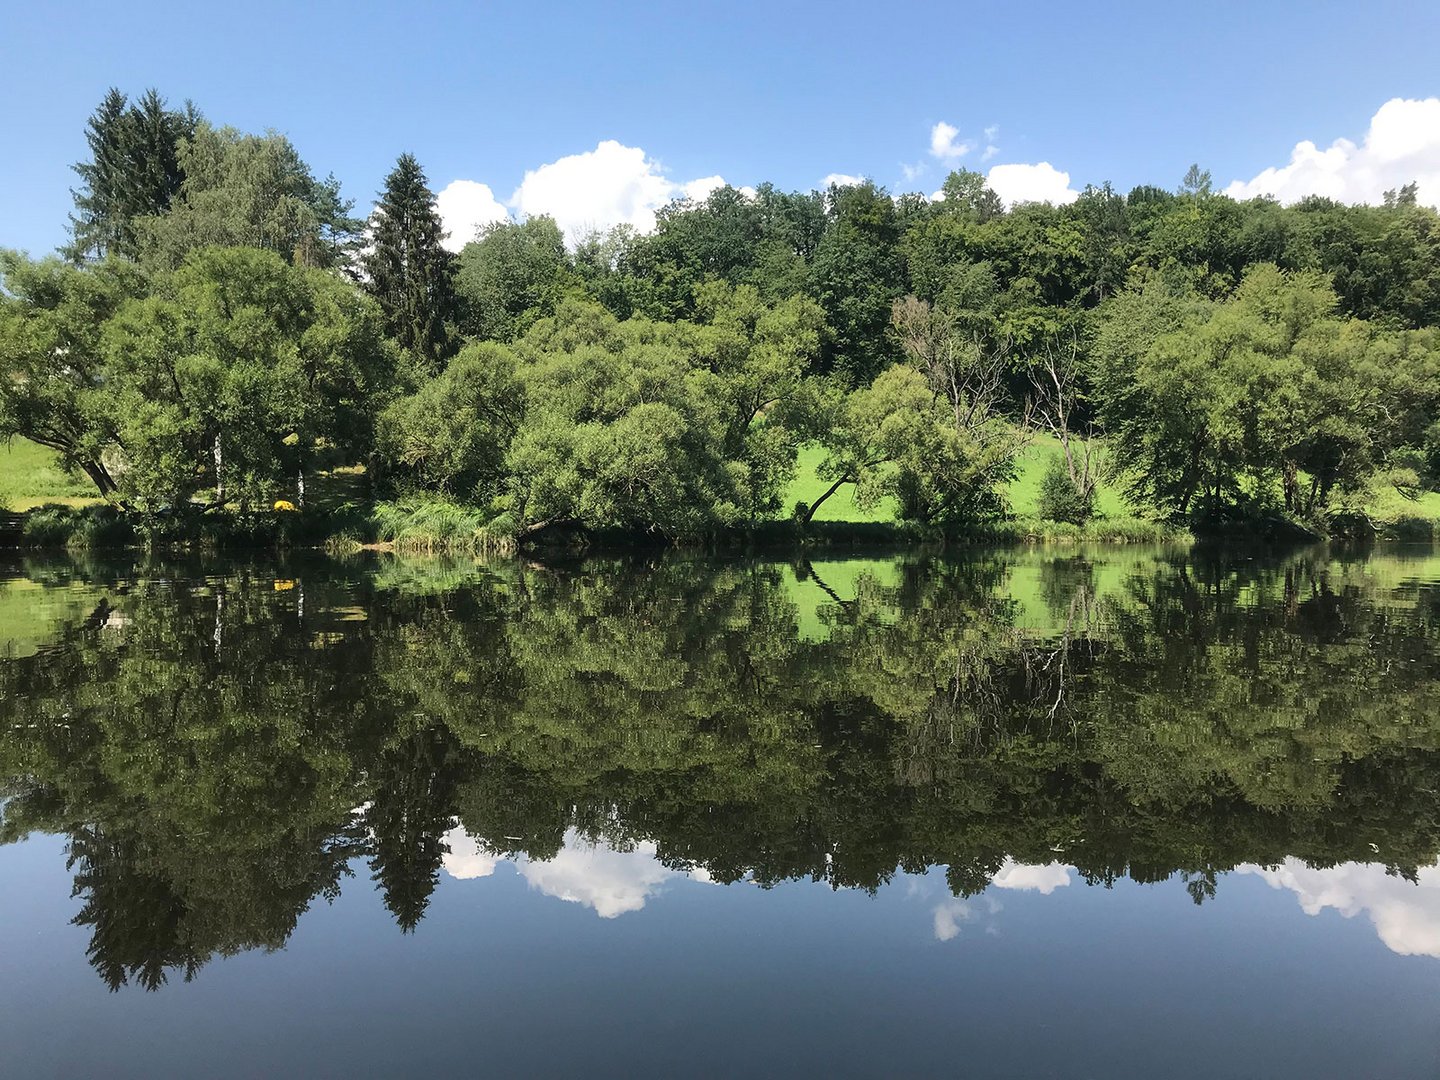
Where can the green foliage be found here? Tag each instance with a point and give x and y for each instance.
(136, 169)
(55, 525)
(407, 268)
(429, 524)
(1233, 360)
(451, 436)
(53, 382)
(1219, 405)
(509, 276)
(654, 427)
(249, 191)
(1060, 499)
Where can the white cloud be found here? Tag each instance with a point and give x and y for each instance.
(949, 916)
(943, 144)
(610, 882)
(992, 136)
(607, 881)
(610, 185)
(601, 188)
(1401, 145)
(1041, 182)
(465, 859)
(1042, 879)
(465, 206)
(1406, 915)
(699, 190)
(840, 179)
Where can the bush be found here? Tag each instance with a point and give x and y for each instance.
(55, 525)
(421, 524)
(1060, 499)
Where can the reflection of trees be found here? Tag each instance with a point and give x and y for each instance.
(220, 752)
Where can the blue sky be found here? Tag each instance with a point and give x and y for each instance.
(786, 92)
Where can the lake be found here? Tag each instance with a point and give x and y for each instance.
(1098, 813)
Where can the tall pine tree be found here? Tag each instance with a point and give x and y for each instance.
(94, 227)
(134, 170)
(408, 269)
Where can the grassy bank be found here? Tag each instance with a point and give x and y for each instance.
(63, 510)
(30, 476)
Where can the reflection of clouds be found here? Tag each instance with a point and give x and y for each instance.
(1406, 915)
(1042, 879)
(608, 881)
(951, 913)
(949, 916)
(465, 859)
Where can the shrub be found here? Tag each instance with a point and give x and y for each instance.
(1060, 499)
(55, 525)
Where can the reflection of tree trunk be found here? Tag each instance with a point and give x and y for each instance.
(810, 570)
(810, 511)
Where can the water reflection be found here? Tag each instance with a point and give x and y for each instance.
(1405, 911)
(224, 746)
(608, 881)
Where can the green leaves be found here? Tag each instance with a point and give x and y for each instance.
(407, 269)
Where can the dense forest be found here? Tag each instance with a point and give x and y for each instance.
(223, 330)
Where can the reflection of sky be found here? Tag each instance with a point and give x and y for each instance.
(609, 882)
(952, 913)
(1406, 915)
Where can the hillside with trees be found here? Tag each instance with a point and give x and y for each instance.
(224, 337)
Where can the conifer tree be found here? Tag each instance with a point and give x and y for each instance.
(93, 226)
(134, 171)
(408, 269)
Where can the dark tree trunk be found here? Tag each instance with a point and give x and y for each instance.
(810, 510)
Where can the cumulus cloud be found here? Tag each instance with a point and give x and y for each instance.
(1042, 879)
(840, 179)
(1406, 915)
(1041, 182)
(949, 916)
(699, 190)
(1401, 145)
(607, 881)
(465, 207)
(610, 185)
(944, 144)
(465, 859)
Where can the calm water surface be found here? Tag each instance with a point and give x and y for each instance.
(1110, 813)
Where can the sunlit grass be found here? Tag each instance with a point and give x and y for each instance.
(30, 475)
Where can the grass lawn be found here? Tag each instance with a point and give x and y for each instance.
(30, 474)
(807, 486)
(1023, 491)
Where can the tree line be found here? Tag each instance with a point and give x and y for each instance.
(223, 324)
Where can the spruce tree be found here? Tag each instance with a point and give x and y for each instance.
(408, 269)
(134, 171)
(93, 226)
